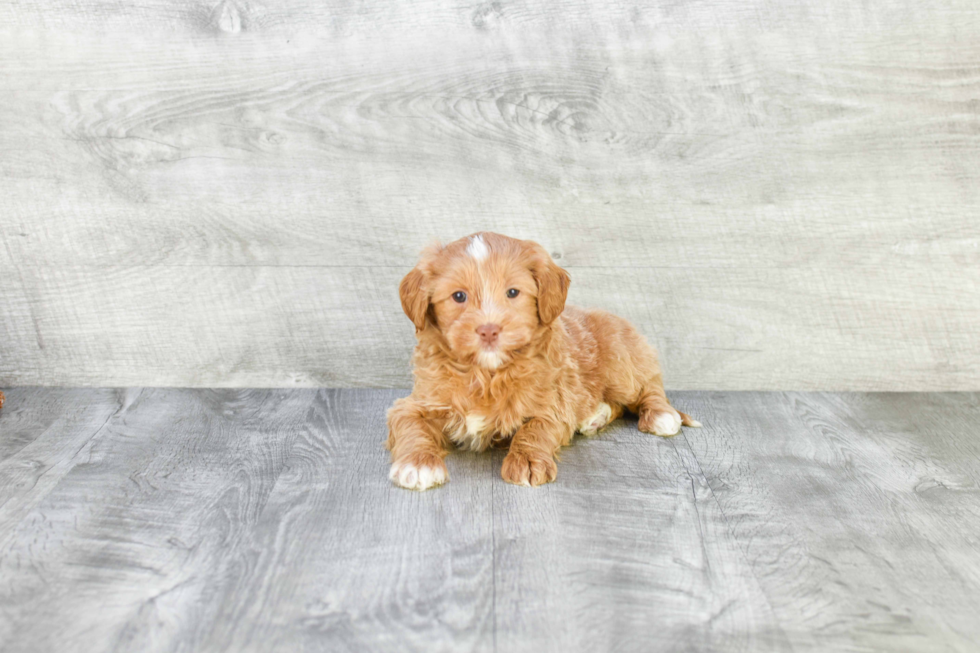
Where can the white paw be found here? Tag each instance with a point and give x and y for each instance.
(602, 417)
(407, 475)
(667, 423)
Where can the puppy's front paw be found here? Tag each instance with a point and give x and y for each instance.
(521, 469)
(662, 422)
(419, 472)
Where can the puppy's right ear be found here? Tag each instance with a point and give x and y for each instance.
(415, 297)
(414, 288)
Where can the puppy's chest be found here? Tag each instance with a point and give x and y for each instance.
(476, 425)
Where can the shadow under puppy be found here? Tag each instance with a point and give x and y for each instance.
(501, 358)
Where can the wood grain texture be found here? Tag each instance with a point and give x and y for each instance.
(263, 520)
(42, 433)
(341, 560)
(787, 191)
(848, 506)
(629, 551)
(131, 538)
(302, 326)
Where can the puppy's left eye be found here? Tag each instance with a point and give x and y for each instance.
(459, 296)
(513, 292)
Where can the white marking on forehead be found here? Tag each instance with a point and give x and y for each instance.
(477, 249)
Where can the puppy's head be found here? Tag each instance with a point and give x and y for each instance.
(486, 293)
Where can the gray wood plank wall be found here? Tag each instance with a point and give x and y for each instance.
(781, 194)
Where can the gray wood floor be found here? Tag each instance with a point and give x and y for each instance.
(258, 520)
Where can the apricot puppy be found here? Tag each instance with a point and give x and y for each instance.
(501, 358)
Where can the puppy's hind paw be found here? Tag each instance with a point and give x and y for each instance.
(521, 469)
(663, 423)
(419, 472)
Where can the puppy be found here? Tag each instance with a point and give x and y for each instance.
(500, 359)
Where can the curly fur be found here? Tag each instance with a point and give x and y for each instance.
(554, 370)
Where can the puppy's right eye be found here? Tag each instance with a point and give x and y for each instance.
(459, 296)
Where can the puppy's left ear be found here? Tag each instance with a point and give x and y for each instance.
(552, 282)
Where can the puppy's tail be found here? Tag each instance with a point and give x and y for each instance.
(687, 420)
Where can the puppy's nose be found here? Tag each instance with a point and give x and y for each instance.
(488, 333)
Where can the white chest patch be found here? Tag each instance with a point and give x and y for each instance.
(477, 249)
(471, 435)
